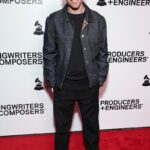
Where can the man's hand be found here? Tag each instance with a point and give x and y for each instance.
(47, 86)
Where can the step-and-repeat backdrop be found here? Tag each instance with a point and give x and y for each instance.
(124, 100)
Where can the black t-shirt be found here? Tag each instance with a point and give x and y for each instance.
(76, 69)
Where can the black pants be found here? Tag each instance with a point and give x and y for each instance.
(64, 101)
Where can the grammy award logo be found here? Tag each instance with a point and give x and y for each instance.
(38, 30)
(101, 3)
(38, 85)
(146, 81)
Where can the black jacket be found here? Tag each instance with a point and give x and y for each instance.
(57, 46)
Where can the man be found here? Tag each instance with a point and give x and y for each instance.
(75, 66)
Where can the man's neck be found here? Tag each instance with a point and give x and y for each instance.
(80, 10)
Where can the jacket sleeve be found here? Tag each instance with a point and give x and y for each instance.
(103, 53)
(49, 52)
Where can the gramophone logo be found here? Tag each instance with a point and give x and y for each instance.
(38, 30)
(101, 3)
(123, 3)
(38, 85)
(146, 81)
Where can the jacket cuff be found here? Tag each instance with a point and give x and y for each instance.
(50, 83)
(100, 83)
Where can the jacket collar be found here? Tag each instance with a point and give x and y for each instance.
(88, 17)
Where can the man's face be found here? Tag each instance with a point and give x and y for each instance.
(74, 4)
